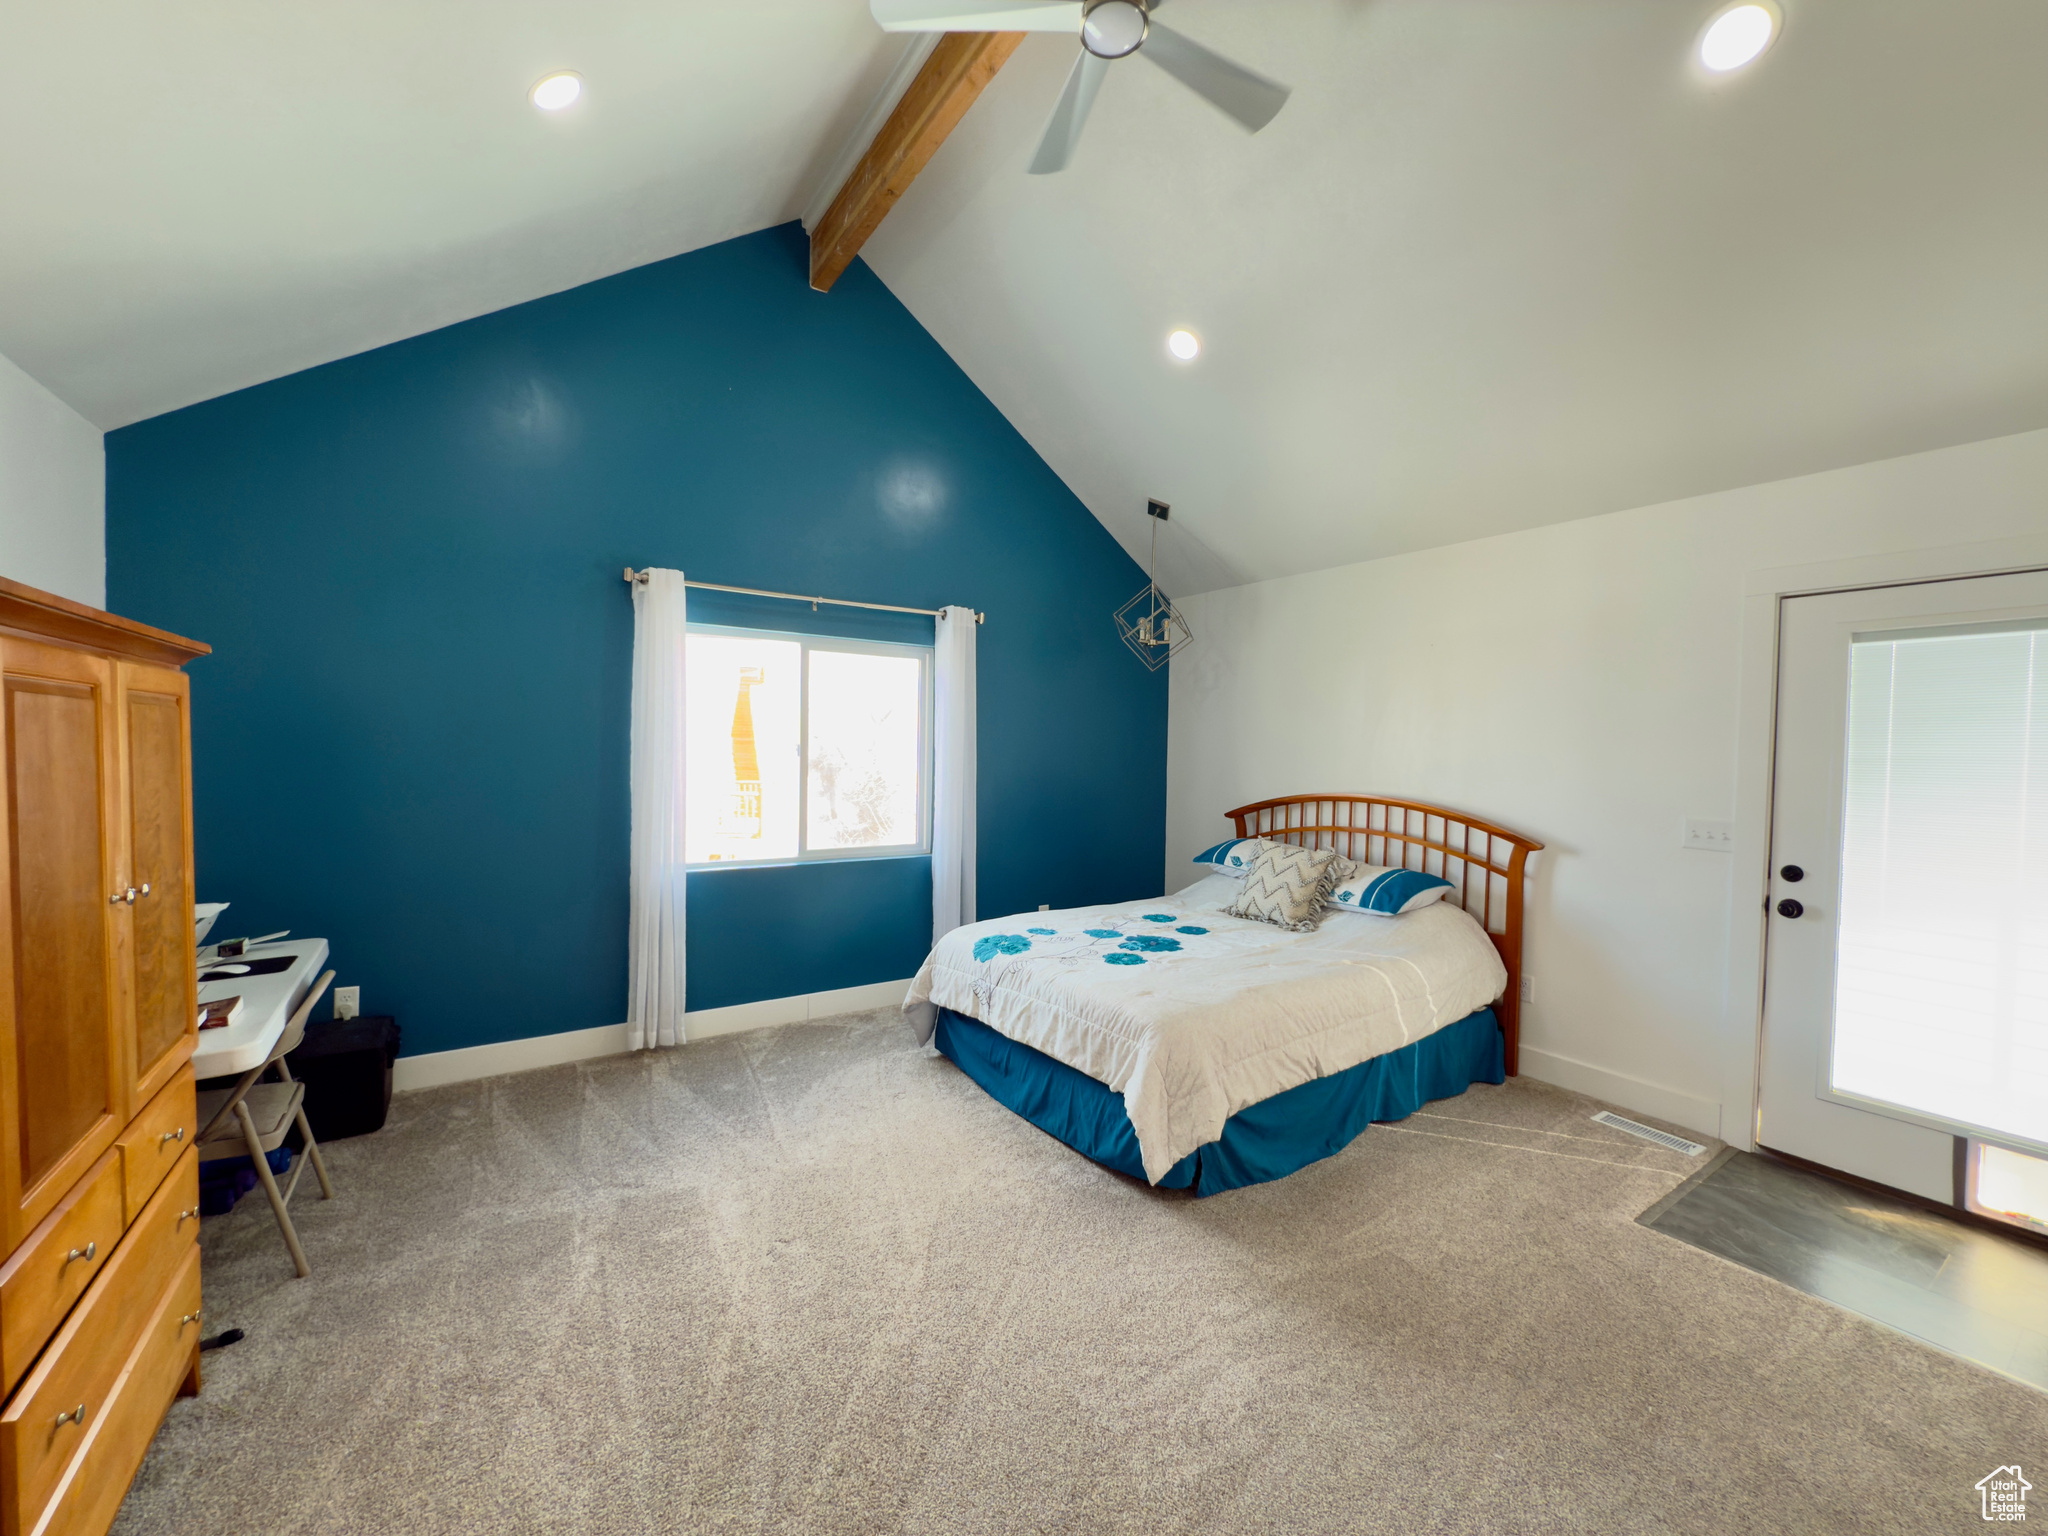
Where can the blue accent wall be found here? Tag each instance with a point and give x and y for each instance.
(411, 736)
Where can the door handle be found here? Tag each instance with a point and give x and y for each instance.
(1790, 908)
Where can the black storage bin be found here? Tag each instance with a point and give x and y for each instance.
(346, 1067)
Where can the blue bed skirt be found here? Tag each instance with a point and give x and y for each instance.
(1262, 1141)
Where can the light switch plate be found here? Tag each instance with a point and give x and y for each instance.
(1713, 836)
(1528, 989)
(348, 1002)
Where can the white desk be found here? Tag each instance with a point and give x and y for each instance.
(267, 1002)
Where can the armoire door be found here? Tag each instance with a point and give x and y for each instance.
(156, 756)
(63, 1088)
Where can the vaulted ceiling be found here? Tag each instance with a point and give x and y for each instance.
(200, 195)
(1498, 263)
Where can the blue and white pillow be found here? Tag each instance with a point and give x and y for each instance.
(1232, 856)
(1389, 892)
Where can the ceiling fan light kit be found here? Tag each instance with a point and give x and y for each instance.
(1108, 30)
(1113, 29)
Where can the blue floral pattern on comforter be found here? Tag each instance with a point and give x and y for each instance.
(1113, 946)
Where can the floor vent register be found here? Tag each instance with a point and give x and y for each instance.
(1650, 1133)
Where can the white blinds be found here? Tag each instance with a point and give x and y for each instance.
(1941, 978)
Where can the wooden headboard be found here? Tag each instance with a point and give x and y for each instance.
(1486, 865)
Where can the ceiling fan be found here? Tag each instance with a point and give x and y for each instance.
(1109, 30)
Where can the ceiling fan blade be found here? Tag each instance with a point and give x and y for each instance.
(1070, 116)
(1251, 99)
(977, 15)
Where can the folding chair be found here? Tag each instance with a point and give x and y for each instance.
(263, 1114)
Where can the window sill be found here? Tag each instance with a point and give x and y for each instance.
(844, 858)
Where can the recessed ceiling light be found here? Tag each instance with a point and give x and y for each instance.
(1184, 345)
(558, 91)
(1738, 35)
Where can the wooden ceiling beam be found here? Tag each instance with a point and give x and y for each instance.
(959, 67)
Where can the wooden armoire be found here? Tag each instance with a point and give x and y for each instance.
(99, 1183)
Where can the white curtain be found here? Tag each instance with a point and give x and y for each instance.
(953, 771)
(654, 944)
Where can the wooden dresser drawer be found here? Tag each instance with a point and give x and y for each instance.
(151, 1145)
(49, 1272)
(41, 1432)
(163, 1362)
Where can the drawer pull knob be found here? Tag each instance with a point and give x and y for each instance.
(185, 1216)
(189, 1317)
(143, 889)
(89, 1251)
(177, 1135)
(75, 1416)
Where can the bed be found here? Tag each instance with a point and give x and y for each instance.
(1194, 1050)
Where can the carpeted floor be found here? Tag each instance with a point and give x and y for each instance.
(812, 1280)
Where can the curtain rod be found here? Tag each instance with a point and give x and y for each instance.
(804, 597)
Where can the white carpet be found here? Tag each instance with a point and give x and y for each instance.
(813, 1280)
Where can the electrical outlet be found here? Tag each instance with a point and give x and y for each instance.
(1528, 989)
(1045, 906)
(348, 1002)
(1713, 836)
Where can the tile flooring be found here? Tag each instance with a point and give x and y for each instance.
(1962, 1289)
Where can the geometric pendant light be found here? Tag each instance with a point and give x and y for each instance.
(1149, 623)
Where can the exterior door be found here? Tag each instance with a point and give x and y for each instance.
(62, 937)
(163, 989)
(1906, 975)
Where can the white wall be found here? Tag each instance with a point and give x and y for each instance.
(1580, 683)
(53, 492)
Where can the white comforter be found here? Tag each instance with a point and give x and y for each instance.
(1192, 1015)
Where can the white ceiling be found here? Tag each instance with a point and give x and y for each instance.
(1499, 262)
(197, 195)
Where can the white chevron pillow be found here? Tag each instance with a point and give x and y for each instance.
(1287, 886)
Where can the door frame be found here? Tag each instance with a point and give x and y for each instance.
(1764, 591)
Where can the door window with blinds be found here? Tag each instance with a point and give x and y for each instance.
(1941, 975)
(804, 747)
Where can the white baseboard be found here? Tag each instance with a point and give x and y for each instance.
(439, 1068)
(1695, 1114)
(804, 1008)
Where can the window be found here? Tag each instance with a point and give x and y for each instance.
(1941, 976)
(802, 747)
(2007, 1185)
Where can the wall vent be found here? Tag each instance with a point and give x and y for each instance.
(1650, 1133)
